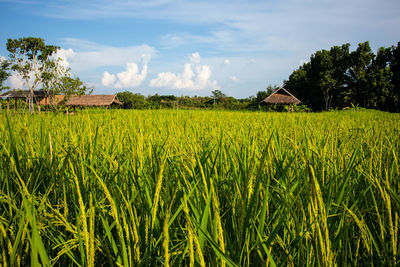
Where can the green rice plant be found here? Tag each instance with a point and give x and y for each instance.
(172, 187)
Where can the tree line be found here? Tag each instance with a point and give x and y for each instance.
(339, 78)
(217, 100)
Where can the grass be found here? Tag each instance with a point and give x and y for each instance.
(200, 188)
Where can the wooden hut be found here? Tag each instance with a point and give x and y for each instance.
(281, 96)
(84, 101)
(93, 101)
(23, 94)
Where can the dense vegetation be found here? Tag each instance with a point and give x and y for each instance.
(339, 78)
(200, 188)
(218, 100)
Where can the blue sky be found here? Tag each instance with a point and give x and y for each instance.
(194, 47)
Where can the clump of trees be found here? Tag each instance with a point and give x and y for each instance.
(338, 77)
(218, 100)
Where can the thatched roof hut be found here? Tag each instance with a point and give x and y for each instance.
(281, 97)
(18, 94)
(93, 100)
(23, 94)
(85, 100)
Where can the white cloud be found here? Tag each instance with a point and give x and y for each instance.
(16, 82)
(63, 55)
(194, 77)
(131, 77)
(108, 79)
(89, 55)
(227, 62)
(235, 79)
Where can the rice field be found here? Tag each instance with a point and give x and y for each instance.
(200, 188)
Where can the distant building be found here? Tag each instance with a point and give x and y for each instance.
(85, 101)
(281, 97)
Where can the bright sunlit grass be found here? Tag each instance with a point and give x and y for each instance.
(201, 188)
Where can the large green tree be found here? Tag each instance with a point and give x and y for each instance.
(379, 80)
(30, 58)
(38, 65)
(394, 95)
(359, 85)
(56, 80)
(340, 56)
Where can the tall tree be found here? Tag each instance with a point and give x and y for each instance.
(301, 84)
(218, 96)
(322, 72)
(340, 56)
(379, 80)
(395, 72)
(360, 61)
(54, 77)
(30, 58)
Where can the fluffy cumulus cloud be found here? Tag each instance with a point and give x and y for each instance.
(63, 55)
(16, 82)
(131, 77)
(194, 77)
(108, 79)
(86, 56)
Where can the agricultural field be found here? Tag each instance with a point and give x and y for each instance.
(200, 188)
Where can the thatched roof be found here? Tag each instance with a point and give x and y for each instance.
(23, 94)
(281, 97)
(84, 100)
(93, 100)
(57, 99)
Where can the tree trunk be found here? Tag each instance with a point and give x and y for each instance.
(30, 100)
(328, 100)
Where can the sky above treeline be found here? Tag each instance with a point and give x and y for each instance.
(193, 47)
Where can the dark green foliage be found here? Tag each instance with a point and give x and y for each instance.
(339, 78)
(4, 74)
(260, 96)
(130, 100)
